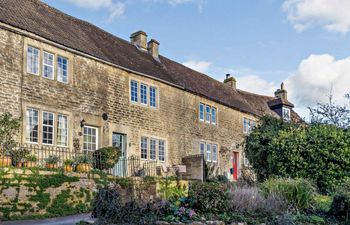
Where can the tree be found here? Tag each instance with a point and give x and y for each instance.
(317, 152)
(9, 128)
(331, 113)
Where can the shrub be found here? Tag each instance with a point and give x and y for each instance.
(340, 207)
(170, 189)
(209, 197)
(9, 128)
(84, 159)
(68, 162)
(181, 211)
(250, 200)
(300, 193)
(106, 158)
(52, 159)
(31, 158)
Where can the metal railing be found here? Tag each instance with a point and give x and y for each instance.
(28, 155)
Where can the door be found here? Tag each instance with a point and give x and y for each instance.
(235, 161)
(120, 169)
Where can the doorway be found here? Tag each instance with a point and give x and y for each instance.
(120, 169)
(235, 161)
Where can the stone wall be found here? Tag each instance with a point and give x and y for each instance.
(95, 88)
(34, 193)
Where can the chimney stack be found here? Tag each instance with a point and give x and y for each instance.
(231, 81)
(139, 39)
(153, 48)
(282, 93)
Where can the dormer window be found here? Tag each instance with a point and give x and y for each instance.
(286, 113)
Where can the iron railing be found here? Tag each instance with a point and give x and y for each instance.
(28, 155)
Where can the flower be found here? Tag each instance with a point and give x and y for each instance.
(191, 213)
(181, 210)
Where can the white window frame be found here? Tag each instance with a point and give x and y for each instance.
(142, 147)
(201, 114)
(202, 151)
(60, 70)
(216, 153)
(45, 53)
(29, 125)
(58, 127)
(208, 152)
(213, 109)
(163, 152)
(33, 60)
(153, 152)
(284, 109)
(155, 97)
(207, 115)
(97, 140)
(145, 95)
(131, 91)
(48, 126)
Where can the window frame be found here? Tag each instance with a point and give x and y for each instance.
(164, 150)
(155, 96)
(28, 124)
(145, 86)
(136, 99)
(207, 115)
(208, 153)
(47, 65)
(216, 153)
(201, 105)
(151, 150)
(213, 109)
(48, 126)
(97, 137)
(58, 69)
(38, 60)
(142, 148)
(67, 128)
(285, 109)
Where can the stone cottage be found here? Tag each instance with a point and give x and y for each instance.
(74, 84)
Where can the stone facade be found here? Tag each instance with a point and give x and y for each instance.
(95, 88)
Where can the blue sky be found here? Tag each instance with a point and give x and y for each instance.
(304, 43)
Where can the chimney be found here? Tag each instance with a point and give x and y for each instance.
(139, 39)
(282, 93)
(230, 81)
(153, 48)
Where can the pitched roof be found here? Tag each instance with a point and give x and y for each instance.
(38, 18)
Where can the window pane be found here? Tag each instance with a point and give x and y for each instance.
(90, 139)
(153, 96)
(153, 145)
(208, 152)
(213, 115)
(134, 91)
(202, 148)
(47, 124)
(144, 147)
(62, 130)
(62, 69)
(143, 94)
(201, 111)
(161, 150)
(215, 157)
(33, 60)
(32, 125)
(207, 113)
(48, 65)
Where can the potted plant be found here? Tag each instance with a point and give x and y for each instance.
(68, 165)
(5, 160)
(83, 163)
(51, 161)
(30, 161)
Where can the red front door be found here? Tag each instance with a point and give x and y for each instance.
(235, 165)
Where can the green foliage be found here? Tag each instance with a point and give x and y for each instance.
(209, 197)
(340, 207)
(60, 205)
(68, 162)
(9, 128)
(170, 189)
(298, 192)
(181, 211)
(18, 155)
(323, 203)
(84, 159)
(106, 158)
(42, 198)
(320, 153)
(31, 158)
(52, 159)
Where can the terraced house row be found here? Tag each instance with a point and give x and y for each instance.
(74, 84)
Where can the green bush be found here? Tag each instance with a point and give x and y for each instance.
(106, 158)
(9, 128)
(52, 159)
(300, 193)
(320, 153)
(209, 197)
(340, 207)
(170, 189)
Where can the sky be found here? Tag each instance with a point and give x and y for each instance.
(303, 43)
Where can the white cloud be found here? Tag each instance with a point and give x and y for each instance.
(200, 66)
(115, 9)
(199, 3)
(256, 84)
(332, 15)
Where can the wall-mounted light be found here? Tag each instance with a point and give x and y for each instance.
(82, 123)
(105, 116)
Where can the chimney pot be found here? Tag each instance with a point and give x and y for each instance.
(231, 81)
(282, 93)
(139, 39)
(153, 48)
